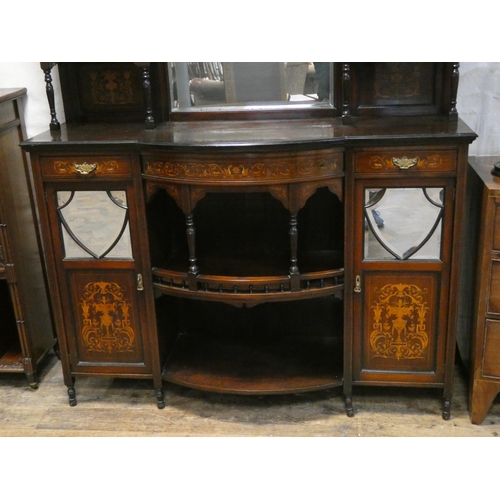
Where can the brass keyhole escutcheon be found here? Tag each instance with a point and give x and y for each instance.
(140, 284)
(357, 288)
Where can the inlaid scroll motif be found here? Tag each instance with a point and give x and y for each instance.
(243, 170)
(65, 167)
(382, 162)
(111, 87)
(399, 322)
(106, 318)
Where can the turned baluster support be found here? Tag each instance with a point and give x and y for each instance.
(453, 113)
(49, 89)
(191, 239)
(146, 84)
(294, 268)
(346, 93)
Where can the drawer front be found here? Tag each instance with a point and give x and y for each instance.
(254, 168)
(494, 289)
(491, 350)
(496, 228)
(400, 160)
(85, 167)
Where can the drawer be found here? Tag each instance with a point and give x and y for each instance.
(85, 167)
(254, 168)
(401, 159)
(491, 350)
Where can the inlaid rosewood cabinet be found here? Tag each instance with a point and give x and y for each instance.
(262, 256)
(26, 331)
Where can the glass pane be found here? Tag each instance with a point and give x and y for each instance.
(230, 86)
(94, 224)
(403, 223)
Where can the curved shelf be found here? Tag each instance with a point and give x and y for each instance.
(256, 366)
(249, 288)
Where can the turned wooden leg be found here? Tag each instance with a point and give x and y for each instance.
(481, 398)
(32, 380)
(446, 409)
(72, 396)
(57, 350)
(349, 410)
(160, 403)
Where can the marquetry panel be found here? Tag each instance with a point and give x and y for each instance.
(399, 330)
(105, 312)
(85, 167)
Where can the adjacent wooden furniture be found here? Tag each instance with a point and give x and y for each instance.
(26, 332)
(261, 256)
(479, 335)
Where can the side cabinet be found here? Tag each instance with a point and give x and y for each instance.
(92, 211)
(26, 330)
(404, 214)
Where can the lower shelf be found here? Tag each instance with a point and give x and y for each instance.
(11, 360)
(255, 366)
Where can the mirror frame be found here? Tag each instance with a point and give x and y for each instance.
(275, 113)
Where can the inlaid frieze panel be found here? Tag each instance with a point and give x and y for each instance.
(265, 168)
(85, 167)
(405, 160)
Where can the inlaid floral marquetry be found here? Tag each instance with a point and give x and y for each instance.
(248, 170)
(106, 318)
(406, 160)
(400, 329)
(85, 166)
(111, 87)
(397, 80)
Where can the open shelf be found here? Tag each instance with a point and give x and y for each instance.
(271, 348)
(255, 366)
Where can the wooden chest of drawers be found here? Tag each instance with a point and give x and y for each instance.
(479, 340)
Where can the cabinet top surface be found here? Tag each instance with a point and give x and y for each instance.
(483, 165)
(323, 132)
(9, 94)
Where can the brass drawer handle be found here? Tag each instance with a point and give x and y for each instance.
(404, 163)
(85, 168)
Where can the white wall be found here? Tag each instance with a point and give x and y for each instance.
(478, 100)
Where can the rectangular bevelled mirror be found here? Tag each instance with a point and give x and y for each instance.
(250, 86)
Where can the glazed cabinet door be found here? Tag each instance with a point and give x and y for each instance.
(401, 281)
(104, 300)
(100, 280)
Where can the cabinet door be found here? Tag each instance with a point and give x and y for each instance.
(100, 279)
(401, 277)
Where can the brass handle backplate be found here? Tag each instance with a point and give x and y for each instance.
(404, 163)
(357, 288)
(85, 168)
